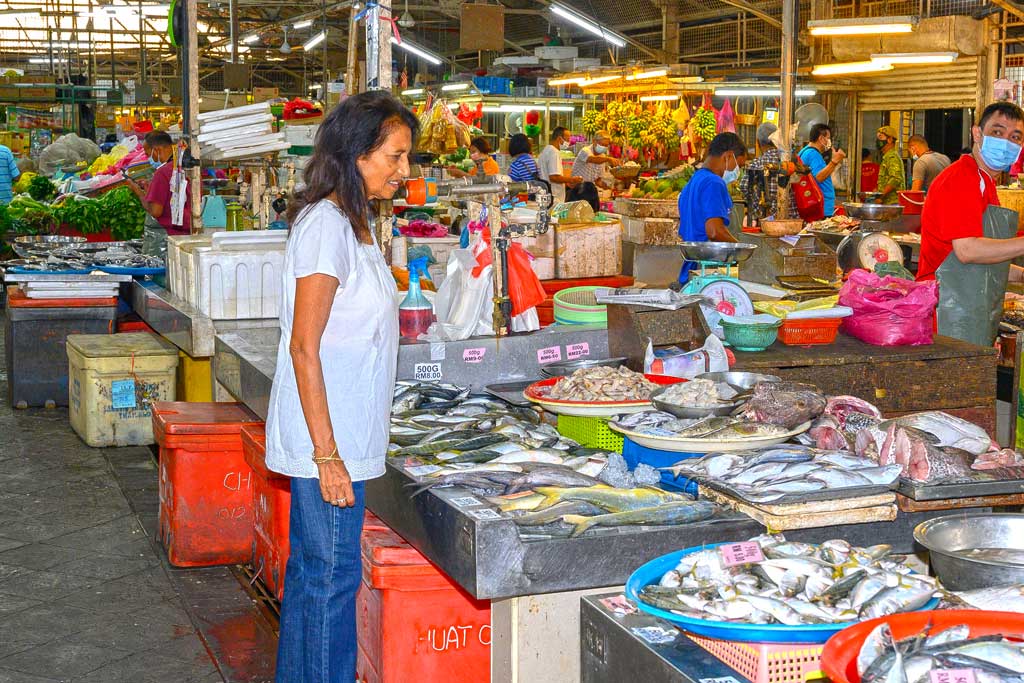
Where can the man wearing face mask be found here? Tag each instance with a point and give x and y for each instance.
(812, 156)
(705, 204)
(157, 198)
(967, 239)
(891, 176)
(549, 164)
(589, 167)
(928, 164)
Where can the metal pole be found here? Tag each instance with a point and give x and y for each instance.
(191, 109)
(790, 9)
(378, 47)
(351, 86)
(233, 31)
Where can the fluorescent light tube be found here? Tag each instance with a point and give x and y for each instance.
(418, 51)
(863, 26)
(659, 98)
(587, 24)
(251, 38)
(455, 86)
(566, 81)
(560, 107)
(761, 92)
(412, 91)
(658, 73)
(841, 68)
(600, 79)
(314, 41)
(915, 58)
(305, 23)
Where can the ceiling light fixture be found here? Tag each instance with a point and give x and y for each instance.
(251, 38)
(418, 51)
(754, 91)
(559, 107)
(600, 79)
(841, 68)
(305, 23)
(566, 81)
(455, 86)
(861, 27)
(916, 58)
(314, 41)
(46, 60)
(659, 98)
(587, 24)
(413, 91)
(657, 73)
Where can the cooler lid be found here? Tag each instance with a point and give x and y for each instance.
(122, 345)
(392, 563)
(179, 418)
(16, 299)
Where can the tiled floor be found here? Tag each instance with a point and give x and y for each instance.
(86, 594)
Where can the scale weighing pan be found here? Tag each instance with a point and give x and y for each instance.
(873, 212)
(718, 252)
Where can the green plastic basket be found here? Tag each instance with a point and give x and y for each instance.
(578, 306)
(590, 432)
(751, 336)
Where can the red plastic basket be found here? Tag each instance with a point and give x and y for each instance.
(766, 662)
(839, 658)
(809, 331)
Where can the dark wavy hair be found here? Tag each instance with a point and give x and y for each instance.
(355, 128)
(518, 144)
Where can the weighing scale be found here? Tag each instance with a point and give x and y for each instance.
(214, 210)
(870, 245)
(725, 292)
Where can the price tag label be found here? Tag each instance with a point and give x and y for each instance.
(422, 470)
(741, 553)
(722, 679)
(122, 393)
(465, 502)
(656, 635)
(552, 354)
(580, 350)
(427, 372)
(473, 355)
(952, 676)
(483, 513)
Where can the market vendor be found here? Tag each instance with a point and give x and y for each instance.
(967, 239)
(484, 166)
(768, 160)
(705, 204)
(590, 166)
(891, 176)
(819, 141)
(549, 164)
(166, 198)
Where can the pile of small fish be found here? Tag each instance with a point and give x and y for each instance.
(993, 658)
(995, 599)
(658, 423)
(796, 583)
(699, 393)
(767, 474)
(86, 256)
(603, 385)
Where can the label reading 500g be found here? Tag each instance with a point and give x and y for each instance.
(427, 372)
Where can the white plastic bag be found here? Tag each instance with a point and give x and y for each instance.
(463, 302)
(687, 364)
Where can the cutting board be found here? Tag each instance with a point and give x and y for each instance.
(877, 508)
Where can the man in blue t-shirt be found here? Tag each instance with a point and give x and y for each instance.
(819, 141)
(705, 204)
(9, 172)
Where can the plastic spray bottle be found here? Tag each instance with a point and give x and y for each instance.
(415, 313)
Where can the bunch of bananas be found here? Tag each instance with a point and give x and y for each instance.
(593, 121)
(663, 130)
(705, 124)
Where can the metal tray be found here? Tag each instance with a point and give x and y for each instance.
(806, 497)
(691, 411)
(511, 392)
(567, 367)
(717, 252)
(966, 489)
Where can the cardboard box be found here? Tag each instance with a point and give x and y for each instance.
(264, 94)
(658, 231)
(544, 267)
(588, 250)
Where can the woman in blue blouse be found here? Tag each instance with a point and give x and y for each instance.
(523, 167)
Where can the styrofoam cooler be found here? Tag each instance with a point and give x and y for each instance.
(237, 276)
(177, 280)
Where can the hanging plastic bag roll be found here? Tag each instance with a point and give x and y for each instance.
(673, 361)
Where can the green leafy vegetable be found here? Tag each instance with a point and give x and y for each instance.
(42, 188)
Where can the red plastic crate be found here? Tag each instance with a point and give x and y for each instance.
(16, 299)
(810, 331)
(414, 623)
(206, 494)
(271, 497)
(131, 325)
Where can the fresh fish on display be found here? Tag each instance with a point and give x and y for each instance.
(843, 408)
(698, 393)
(603, 384)
(556, 512)
(826, 434)
(609, 498)
(798, 583)
(948, 431)
(786, 404)
(682, 512)
(560, 477)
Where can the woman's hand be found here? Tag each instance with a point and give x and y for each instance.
(335, 484)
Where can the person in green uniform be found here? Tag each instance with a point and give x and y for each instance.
(891, 176)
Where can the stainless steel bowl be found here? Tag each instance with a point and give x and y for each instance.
(873, 212)
(720, 252)
(741, 381)
(567, 367)
(690, 411)
(946, 539)
(26, 245)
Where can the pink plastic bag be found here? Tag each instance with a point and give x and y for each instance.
(889, 311)
(726, 119)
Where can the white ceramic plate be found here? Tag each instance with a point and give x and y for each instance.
(684, 445)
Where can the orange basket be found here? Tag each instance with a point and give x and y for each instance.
(767, 662)
(839, 658)
(809, 331)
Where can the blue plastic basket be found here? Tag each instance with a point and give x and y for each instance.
(652, 572)
(634, 454)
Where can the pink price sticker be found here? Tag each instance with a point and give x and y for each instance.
(573, 351)
(474, 355)
(952, 676)
(551, 354)
(741, 553)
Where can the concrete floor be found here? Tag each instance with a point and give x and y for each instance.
(86, 594)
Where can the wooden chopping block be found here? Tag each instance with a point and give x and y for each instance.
(878, 508)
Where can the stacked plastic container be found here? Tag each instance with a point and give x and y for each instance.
(271, 495)
(414, 623)
(229, 275)
(206, 485)
(35, 333)
(114, 380)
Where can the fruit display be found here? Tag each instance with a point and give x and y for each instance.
(441, 132)
(459, 159)
(704, 124)
(660, 188)
(593, 121)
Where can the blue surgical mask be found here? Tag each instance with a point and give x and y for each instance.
(154, 163)
(730, 175)
(564, 145)
(999, 153)
(600, 149)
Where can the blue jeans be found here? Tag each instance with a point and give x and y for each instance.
(318, 611)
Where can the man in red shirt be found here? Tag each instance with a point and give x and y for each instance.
(868, 172)
(967, 239)
(157, 197)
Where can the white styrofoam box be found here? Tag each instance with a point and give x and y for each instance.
(248, 239)
(518, 60)
(238, 284)
(176, 278)
(301, 135)
(577, 64)
(556, 52)
(399, 251)
(541, 246)
(544, 267)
